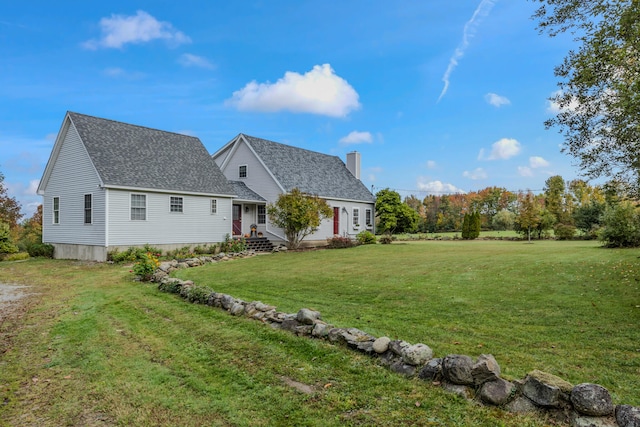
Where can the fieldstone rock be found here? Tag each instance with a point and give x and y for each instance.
(628, 416)
(321, 330)
(397, 345)
(227, 301)
(456, 368)
(417, 354)
(215, 299)
(307, 317)
(432, 371)
(350, 336)
(303, 330)
(388, 358)
(158, 275)
(592, 399)
(290, 324)
(485, 369)
(579, 420)
(403, 369)
(381, 345)
(264, 307)
(182, 265)
(521, 405)
(237, 309)
(459, 389)
(497, 392)
(546, 389)
(167, 265)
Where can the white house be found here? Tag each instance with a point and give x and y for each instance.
(269, 169)
(111, 185)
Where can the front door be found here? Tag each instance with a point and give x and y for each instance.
(336, 221)
(237, 220)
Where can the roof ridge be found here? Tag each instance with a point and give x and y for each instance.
(290, 146)
(131, 124)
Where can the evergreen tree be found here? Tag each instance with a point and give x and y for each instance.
(465, 226)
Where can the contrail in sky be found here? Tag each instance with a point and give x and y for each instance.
(469, 31)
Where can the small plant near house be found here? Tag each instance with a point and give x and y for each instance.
(238, 245)
(43, 250)
(386, 239)
(132, 254)
(181, 253)
(340, 242)
(366, 238)
(204, 249)
(145, 267)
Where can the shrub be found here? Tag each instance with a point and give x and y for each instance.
(130, 255)
(621, 226)
(386, 239)
(204, 249)
(196, 294)
(146, 266)
(44, 250)
(366, 238)
(238, 245)
(6, 243)
(181, 253)
(564, 231)
(339, 242)
(18, 256)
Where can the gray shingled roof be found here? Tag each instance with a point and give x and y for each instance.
(244, 193)
(309, 171)
(139, 157)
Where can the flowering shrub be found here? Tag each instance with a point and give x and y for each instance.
(145, 266)
(339, 242)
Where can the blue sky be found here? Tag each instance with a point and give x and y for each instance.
(437, 96)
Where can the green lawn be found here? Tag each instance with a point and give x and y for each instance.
(94, 348)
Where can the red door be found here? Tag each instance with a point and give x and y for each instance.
(336, 220)
(237, 220)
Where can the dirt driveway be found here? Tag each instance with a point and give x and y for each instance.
(9, 294)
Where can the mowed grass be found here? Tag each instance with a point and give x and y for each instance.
(95, 348)
(568, 308)
(91, 347)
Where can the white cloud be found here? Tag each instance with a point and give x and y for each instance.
(437, 187)
(537, 162)
(524, 171)
(119, 30)
(469, 31)
(476, 174)
(190, 60)
(496, 100)
(33, 187)
(319, 91)
(502, 150)
(431, 164)
(356, 137)
(555, 108)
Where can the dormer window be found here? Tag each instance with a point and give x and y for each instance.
(242, 171)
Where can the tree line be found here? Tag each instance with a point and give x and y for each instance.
(563, 210)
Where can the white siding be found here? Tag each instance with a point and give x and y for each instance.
(194, 225)
(73, 176)
(346, 227)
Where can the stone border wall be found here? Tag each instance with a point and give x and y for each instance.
(583, 405)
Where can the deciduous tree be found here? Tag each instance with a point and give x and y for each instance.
(9, 206)
(598, 102)
(298, 214)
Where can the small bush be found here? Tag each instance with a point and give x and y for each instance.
(181, 253)
(339, 242)
(238, 245)
(204, 249)
(44, 250)
(19, 256)
(386, 239)
(196, 294)
(146, 266)
(366, 238)
(564, 231)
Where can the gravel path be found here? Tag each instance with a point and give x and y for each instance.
(10, 293)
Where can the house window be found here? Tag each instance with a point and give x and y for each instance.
(214, 206)
(242, 171)
(138, 207)
(88, 208)
(56, 210)
(367, 217)
(356, 217)
(262, 214)
(176, 204)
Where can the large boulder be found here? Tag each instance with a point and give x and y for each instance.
(580, 420)
(456, 368)
(497, 392)
(592, 399)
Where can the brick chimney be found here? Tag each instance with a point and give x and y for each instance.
(353, 163)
